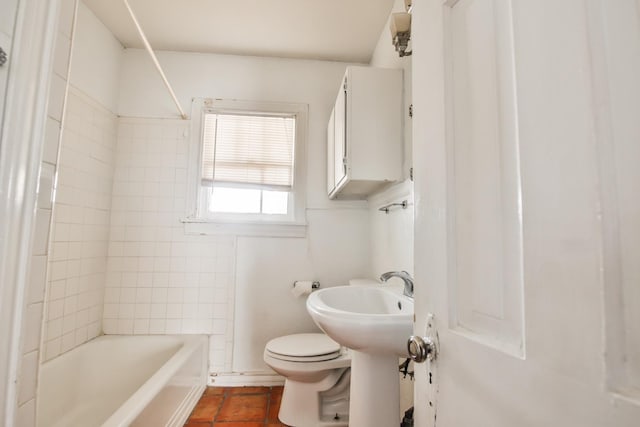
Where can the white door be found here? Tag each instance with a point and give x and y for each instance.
(527, 223)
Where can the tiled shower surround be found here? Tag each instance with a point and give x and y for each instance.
(159, 280)
(80, 233)
(120, 260)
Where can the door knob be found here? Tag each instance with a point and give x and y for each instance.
(421, 348)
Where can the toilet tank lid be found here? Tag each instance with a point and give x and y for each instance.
(303, 345)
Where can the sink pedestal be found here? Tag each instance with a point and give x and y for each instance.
(377, 323)
(375, 390)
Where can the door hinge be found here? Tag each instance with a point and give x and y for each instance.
(411, 111)
(3, 57)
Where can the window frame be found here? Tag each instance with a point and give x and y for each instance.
(196, 209)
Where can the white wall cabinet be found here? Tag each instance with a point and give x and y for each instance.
(364, 134)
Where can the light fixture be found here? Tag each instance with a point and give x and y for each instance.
(400, 27)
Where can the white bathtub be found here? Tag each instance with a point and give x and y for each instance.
(118, 380)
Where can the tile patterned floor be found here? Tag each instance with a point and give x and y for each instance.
(237, 407)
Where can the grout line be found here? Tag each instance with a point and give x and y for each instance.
(224, 397)
(266, 415)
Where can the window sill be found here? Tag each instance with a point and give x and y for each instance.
(202, 226)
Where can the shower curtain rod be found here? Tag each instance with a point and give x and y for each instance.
(155, 60)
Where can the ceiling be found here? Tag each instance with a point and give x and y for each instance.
(338, 30)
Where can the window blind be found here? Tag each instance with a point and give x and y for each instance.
(249, 149)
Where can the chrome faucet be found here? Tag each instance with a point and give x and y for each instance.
(406, 278)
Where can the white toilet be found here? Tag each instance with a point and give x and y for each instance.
(317, 377)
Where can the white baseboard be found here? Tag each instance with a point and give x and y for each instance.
(243, 380)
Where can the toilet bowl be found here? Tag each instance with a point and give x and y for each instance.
(317, 377)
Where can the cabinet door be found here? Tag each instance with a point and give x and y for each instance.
(331, 141)
(340, 141)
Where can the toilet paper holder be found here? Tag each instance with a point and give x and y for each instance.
(315, 285)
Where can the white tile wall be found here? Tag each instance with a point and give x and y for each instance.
(79, 241)
(159, 280)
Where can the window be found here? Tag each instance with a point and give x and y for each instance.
(247, 162)
(251, 161)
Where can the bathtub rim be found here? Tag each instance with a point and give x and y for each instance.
(137, 401)
(135, 404)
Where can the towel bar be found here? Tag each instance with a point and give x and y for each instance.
(386, 208)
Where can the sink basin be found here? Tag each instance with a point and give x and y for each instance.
(369, 319)
(375, 323)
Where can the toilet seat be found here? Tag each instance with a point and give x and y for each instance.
(303, 348)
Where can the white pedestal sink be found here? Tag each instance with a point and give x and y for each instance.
(375, 324)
